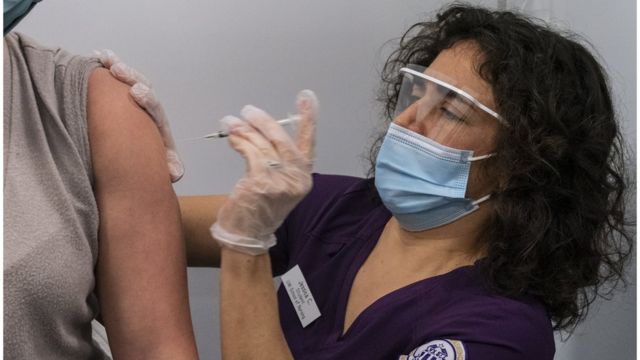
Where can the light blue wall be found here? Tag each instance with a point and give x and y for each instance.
(209, 58)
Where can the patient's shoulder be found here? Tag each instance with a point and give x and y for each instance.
(112, 111)
(124, 138)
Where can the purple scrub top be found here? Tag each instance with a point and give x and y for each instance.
(451, 316)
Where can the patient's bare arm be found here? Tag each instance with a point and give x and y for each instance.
(141, 272)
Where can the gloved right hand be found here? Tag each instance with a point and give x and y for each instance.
(278, 176)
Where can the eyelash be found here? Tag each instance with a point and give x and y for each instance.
(451, 115)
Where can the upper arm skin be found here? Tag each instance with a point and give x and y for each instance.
(141, 271)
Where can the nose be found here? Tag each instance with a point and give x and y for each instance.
(407, 119)
(420, 118)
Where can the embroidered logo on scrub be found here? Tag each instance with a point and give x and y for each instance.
(437, 350)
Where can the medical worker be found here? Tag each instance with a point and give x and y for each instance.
(495, 215)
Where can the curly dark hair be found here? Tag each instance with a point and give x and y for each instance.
(558, 229)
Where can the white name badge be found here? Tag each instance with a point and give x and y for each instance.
(300, 296)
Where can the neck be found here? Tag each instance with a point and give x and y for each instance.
(443, 248)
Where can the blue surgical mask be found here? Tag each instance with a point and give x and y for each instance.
(423, 183)
(16, 10)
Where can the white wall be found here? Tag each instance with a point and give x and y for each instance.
(610, 26)
(209, 58)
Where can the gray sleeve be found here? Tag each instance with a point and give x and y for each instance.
(68, 76)
(75, 72)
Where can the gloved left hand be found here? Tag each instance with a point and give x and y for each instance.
(143, 95)
(278, 176)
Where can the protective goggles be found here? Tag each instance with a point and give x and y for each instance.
(440, 111)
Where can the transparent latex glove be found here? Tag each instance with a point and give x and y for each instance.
(277, 177)
(143, 95)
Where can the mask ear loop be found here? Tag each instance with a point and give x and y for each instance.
(486, 197)
(481, 157)
(481, 200)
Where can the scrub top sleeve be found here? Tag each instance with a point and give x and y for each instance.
(501, 349)
(279, 253)
(479, 351)
(481, 325)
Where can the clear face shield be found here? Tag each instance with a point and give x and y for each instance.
(430, 105)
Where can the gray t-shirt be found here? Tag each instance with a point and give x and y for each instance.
(50, 212)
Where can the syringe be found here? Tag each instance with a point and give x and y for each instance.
(220, 134)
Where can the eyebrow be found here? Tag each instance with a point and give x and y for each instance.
(454, 96)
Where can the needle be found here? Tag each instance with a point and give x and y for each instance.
(222, 134)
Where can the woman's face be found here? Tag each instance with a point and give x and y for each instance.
(452, 121)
